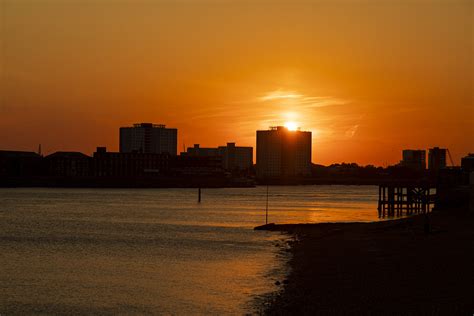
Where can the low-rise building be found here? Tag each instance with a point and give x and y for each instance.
(135, 164)
(68, 164)
(236, 157)
(198, 151)
(184, 165)
(231, 157)
(20, 163)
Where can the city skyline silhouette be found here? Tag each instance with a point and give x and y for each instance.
(367, 79)
(237, 157)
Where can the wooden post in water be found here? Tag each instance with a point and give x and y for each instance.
(397, 206)
(428, 196)
(425, 200)
(391, 200)
(400, 202)
(379, 208)
(199, 195)
(266, 209)
(383, 201)
(409, 200)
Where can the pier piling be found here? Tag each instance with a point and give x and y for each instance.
(399, 199)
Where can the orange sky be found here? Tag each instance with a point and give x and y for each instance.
(368, 78)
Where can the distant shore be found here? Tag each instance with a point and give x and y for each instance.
(382, 268)
(176, 182)
(128, 182)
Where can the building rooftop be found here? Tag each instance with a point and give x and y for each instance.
(148, 125)
(18, 154)
(67, 154)
(283, 128)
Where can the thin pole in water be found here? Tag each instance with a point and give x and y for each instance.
(199, 195)
(266, 209)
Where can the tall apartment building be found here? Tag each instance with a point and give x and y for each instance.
(148, 138)
(283, 153)
(436, 158)
(414, 159)
(232, 157)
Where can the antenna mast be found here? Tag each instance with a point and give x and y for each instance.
(450, 158)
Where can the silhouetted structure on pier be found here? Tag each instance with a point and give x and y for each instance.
(405, 198)
(455, 189)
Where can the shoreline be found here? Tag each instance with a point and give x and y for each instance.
(390, 267)
(208, 181)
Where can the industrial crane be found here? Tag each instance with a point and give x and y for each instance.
(450, 158)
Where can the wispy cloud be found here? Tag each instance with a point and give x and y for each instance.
(298, 99)
(274, 107)
(278, 95)
(352, 131)
(277, 107)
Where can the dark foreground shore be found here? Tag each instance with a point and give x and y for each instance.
(383, 268)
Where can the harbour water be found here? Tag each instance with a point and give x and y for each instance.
(154, 251)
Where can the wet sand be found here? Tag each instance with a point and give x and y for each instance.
(382, 268)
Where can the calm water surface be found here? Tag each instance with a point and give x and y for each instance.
(154, 250)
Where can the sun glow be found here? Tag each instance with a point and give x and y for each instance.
(292, 126)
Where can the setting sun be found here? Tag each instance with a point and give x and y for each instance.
(292, 126)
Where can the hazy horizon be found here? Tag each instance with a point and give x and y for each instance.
(368, 78)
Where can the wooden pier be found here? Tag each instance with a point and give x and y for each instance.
(401, 199)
